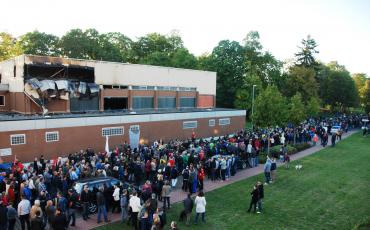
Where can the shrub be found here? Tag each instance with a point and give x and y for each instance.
(276, 150)
(302, 146)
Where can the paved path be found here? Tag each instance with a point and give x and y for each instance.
(178, 195)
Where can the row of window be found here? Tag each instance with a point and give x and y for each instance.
(20, 139)
(211, 123)
(163, 102)
(148, 87)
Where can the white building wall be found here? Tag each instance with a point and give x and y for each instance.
(16, 83)
(129, 74)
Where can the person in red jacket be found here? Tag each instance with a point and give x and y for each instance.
(201, 176)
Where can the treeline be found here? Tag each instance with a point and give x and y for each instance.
(282, 90)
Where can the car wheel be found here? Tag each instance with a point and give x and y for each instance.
(92, 208)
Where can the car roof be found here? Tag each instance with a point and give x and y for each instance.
(95, 179)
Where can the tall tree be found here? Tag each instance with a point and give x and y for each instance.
(8, 47)
(270, 108)
(305, 56)
(296, 112)
(367, 97)
(313, 107)
(39, 43)
(115, 47)
(228, 60)
(339, 87)
(301, 80)
(360, 82)
(79, 44)
(181, 58)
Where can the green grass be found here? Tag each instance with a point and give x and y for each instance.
(331, 192)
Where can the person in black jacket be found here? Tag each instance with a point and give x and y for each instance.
(59, 221)
(37, 223)
(100, 201)
(254, 199)
(261, 195)
(188, 208)
(72, 199)
(3, 216)
(85, 198)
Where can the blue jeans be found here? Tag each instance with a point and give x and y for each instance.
(197, 216)
(102, 208)
(256, 161)
(124, 214)
(259, 205)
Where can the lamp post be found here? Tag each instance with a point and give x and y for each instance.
(253, 104)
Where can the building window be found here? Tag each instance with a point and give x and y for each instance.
(52, 136)
(189, 124)
(211, 122)
(112, 131)
(224, 121)
(188, 89)
(18, 139)
(166, 102)
(2, 100)
(142, 103)
(187, 102)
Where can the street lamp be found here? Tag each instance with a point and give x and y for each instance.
(253, 104)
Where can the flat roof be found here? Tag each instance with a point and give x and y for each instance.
(4, 116)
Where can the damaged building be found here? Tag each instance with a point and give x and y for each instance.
(54, 106)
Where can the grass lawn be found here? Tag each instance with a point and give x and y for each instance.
(332, 191)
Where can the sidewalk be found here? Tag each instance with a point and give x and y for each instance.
(178, 195)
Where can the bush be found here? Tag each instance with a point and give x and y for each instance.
(302, 146)
(276, 150)
(262, 157)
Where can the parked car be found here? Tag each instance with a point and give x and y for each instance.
(93, 184)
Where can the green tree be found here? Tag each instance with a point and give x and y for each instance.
(228, 60)
(80, 44)
(8, 47)
(156, 58)
(115, 47)
(296, 110)
(339, 90)
(313, 107)
(260, 63)
(181, 58)
(270, 108)
(39, 43)
(305, 56)
(360, 83)
(301, 80)
(367, 97)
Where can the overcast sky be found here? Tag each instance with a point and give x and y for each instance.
(341, 28)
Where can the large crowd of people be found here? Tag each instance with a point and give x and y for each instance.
(42, 195)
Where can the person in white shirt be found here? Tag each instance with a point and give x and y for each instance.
(200, 207)
(116, 199)
(24, 208)
(135, 206)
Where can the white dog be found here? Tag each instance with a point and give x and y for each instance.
(298, 167)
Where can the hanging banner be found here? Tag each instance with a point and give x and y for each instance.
(134, 134)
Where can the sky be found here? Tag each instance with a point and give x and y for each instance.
(341, 28)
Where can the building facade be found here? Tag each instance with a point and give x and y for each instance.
(55, 106)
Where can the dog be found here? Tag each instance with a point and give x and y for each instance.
(298, 167)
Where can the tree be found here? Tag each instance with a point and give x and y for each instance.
(313, 107)
(156, 58)
(367, 97)
(305, 57)
(8, 48)
(301, 80)
(115, 47)
(270, 108)
(80, 44)
(38, 43)
(228, 60)
(339, 90)
(296, 111)
(360, 83)
(181, 58)
(259, 63)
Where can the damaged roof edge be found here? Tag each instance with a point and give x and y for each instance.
(29, 59)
